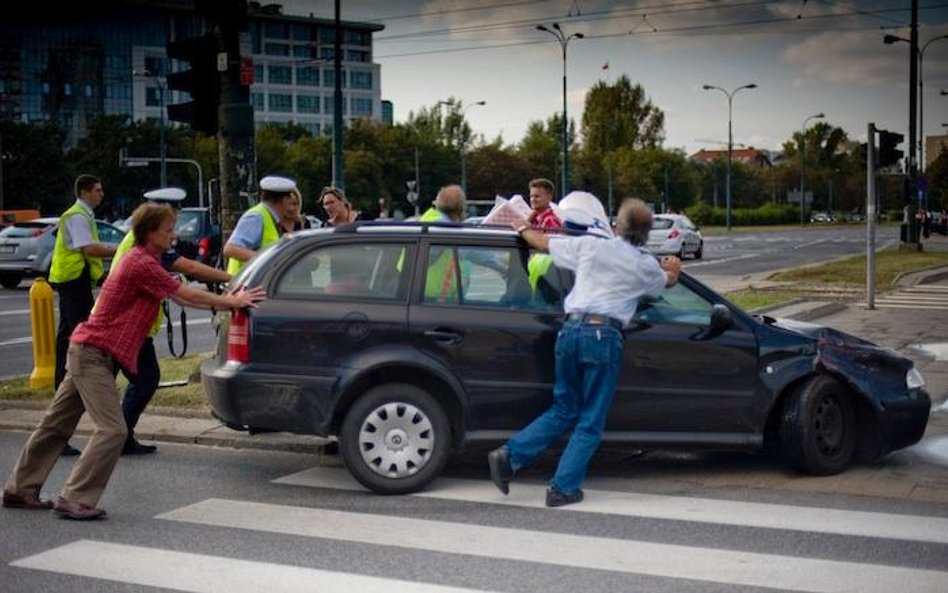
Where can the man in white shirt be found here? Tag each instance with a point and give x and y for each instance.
(611, 276)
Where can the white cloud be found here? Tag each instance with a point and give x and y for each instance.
(855, 57)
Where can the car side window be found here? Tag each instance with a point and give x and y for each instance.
(678, 304)
(108, 234)
(364, 271)
(488, 277)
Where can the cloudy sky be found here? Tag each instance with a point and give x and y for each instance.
(806, 56)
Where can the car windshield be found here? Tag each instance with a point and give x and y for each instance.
(189, 223)
(662, 223)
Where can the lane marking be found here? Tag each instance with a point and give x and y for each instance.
(14, 341)
(722, 260)
(201, 573)
(584, 552)
(676, 508)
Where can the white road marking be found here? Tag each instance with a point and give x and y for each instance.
(14, 341)
(200, 573)
(677, 508)
(584, 552)
(722, 260)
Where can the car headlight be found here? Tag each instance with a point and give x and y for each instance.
(914, 379)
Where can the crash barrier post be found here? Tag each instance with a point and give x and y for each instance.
(42, 324)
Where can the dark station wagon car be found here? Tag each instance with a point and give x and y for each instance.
(366, 336)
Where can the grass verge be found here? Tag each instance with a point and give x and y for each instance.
(852, 271)
(188, 397)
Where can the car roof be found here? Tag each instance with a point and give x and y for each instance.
(434, 227)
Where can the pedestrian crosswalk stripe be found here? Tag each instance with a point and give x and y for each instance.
(201, 573)
(578, 551)
(678, 508)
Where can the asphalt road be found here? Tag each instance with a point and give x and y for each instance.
(736, 254)
(202, 519)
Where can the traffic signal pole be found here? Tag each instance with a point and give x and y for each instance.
(912, 232)
(871, 218)
(236, 126)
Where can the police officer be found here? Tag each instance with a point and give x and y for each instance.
(77, 267)
(142, 385)
(260, 225)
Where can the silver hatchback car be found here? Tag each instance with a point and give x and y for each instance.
(675, 234)
(26, 248)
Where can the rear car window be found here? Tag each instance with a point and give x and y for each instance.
(376, 271)
(662, 223)
(22, 230)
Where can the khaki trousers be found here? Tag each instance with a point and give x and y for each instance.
(89, 386)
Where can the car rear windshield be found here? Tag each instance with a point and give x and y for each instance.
(662, 223)
(189, 223)
(23, 230)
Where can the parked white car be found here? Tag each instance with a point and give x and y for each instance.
(675, 234)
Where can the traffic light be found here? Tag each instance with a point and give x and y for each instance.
(202, 81)
(888, 153)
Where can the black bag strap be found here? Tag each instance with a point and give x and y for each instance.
(170, 330)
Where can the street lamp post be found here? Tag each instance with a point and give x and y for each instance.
(730, 140)
(463, 147)
(803, 162)
(564, 40)
(161, 121)
(889, 40)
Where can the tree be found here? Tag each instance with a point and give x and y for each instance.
(541, 150)
(619, 115)
(34, 167)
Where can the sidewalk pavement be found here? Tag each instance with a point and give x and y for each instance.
(913, 332)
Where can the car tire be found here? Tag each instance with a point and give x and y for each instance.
(10, 281)
(700, 250)
(818, 427)
(395, 439)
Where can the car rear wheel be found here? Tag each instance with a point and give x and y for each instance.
(395, 439)
(10, 281)
(700, 250)
(818, 427)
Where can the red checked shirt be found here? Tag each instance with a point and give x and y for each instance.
(545, 219)
(126, 307)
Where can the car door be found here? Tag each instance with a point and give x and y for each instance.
(682, 381)
(329, 303)
(473, 309)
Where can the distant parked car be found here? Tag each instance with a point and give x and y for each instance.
(675, 234)
(856, 216)
(199, 236)
(939, 222)
(822, 217)
(26, 248)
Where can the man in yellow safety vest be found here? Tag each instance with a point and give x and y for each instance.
(259, 226)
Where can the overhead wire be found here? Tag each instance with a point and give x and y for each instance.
(712, 28)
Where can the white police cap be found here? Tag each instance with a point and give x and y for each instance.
(277, 184)
(166, 194)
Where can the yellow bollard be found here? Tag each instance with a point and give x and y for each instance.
(42, 323)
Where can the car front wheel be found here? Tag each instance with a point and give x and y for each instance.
(818, 427)
(395, 439)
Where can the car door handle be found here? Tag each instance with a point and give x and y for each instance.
(448, 337)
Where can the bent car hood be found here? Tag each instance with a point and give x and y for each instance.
(869, 367)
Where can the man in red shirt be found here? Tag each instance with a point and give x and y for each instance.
(541, 196)
(114, 334)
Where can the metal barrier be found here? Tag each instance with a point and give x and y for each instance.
(43, 326)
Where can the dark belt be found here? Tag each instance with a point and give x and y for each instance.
(595, 319)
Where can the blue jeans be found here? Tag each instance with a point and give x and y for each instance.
(588, 360)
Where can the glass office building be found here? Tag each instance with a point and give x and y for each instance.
(72, 65)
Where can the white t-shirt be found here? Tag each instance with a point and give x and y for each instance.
(611, 275)
(78, 233)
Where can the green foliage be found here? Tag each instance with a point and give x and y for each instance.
(34, 167)
(700, 213)
(768, 214)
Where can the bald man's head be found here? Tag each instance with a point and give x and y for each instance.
(451, 202)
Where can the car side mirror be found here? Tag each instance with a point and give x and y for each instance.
(721, 319)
